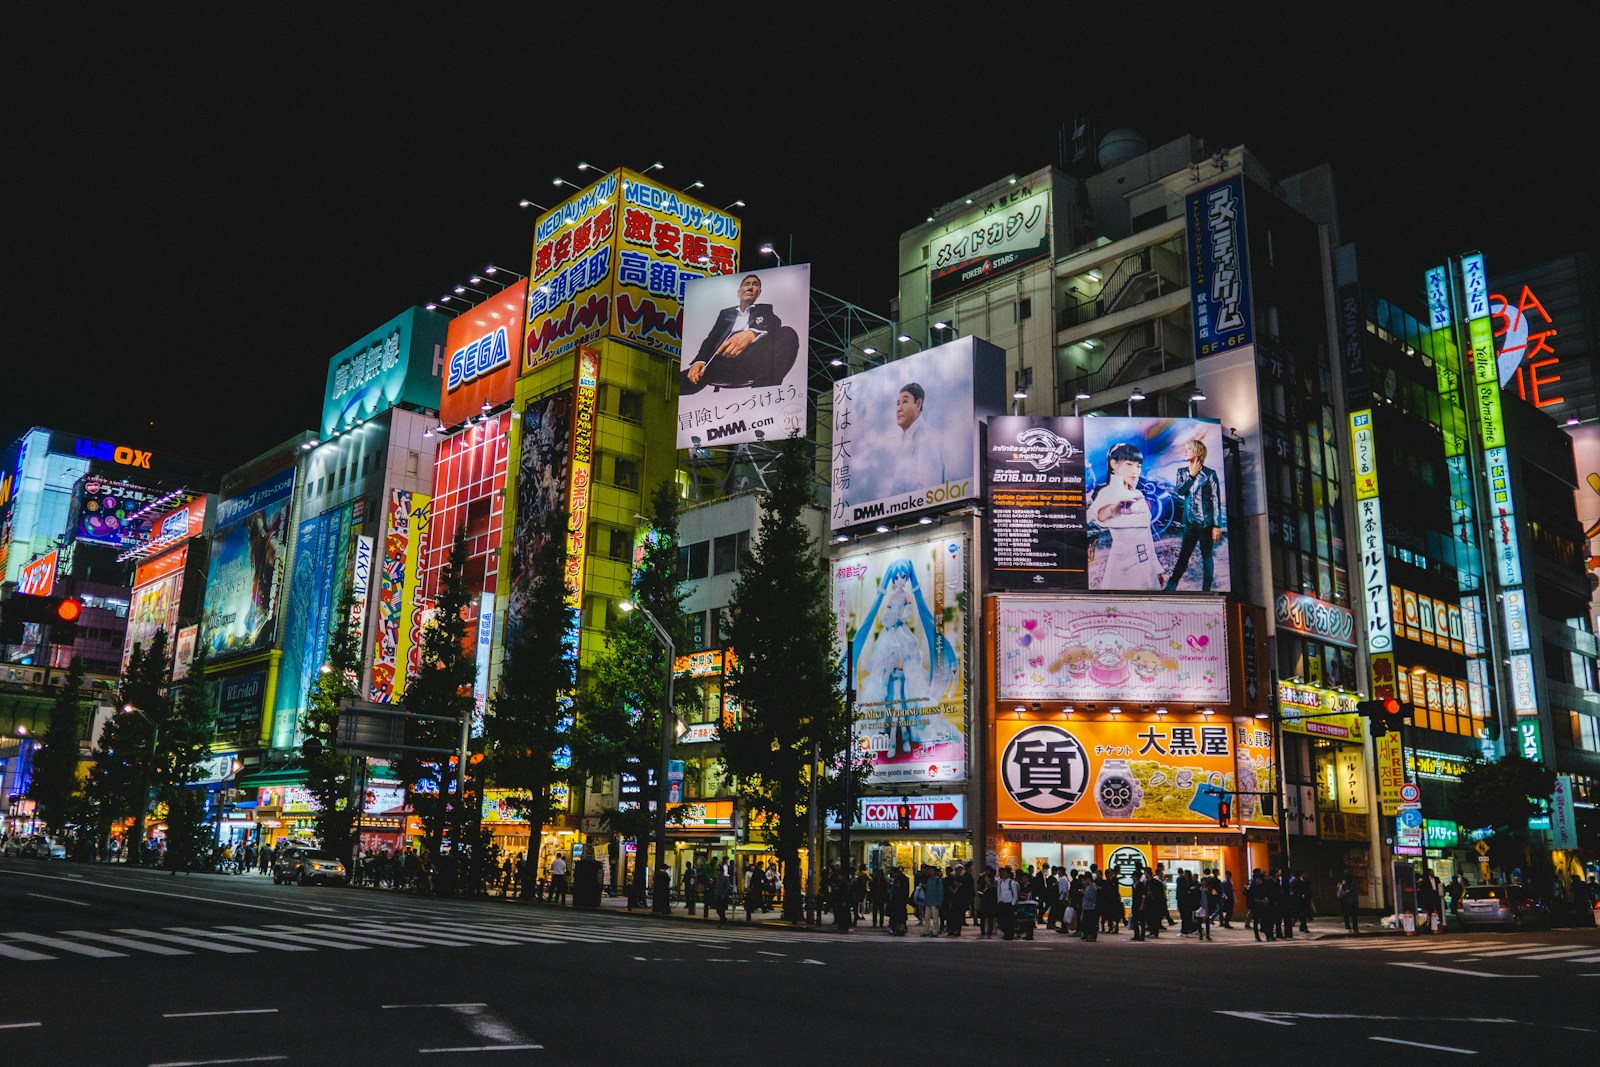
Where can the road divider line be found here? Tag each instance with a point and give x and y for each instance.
(482, 1048)
(210, 1063)
(229, 1011)
(164, 893)
(18, 1026)
(1435, 1048)
(1460, 970)
(60, 900)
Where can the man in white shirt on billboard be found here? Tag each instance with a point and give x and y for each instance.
(916, 452)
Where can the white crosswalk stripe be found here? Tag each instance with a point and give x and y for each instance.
(417, 930)
(1479, 948)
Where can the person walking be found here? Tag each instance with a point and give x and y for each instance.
(558, 879)
(722, 895)
(899, 897)
(989, 907)
(1005, 903)
(1155, 902)
(878, 895)
(1229, 900)
(1089, 922)
(1260, 896)
(1349, 899)
(1210, 901)
(933, 902)
(1300, 886)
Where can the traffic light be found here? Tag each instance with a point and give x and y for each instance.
(60, 613)
(902, 813)
(1224, 810)
(1386, 715)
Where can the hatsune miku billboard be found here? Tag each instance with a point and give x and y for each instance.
(901, 617)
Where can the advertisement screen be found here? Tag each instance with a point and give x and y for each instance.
(905, 433)
(1134, 649)
(1111, 772)
(544, 469)
(983, 248)
(321, 563)
(178, 525)
(901, 626)
(113, 513)
(1219, 268)
(39, 577)
(157, 590)
(743, 370)
(481, 364)
(239, 702)
(614, 260)
(1120, 504)
(246, 555)
(400, 360)
(397, 648)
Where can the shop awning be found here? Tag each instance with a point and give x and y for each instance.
(261, 778)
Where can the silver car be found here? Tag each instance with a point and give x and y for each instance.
(1508, 906)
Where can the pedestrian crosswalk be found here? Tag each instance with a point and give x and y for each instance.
(357, 935)
(1470, 949)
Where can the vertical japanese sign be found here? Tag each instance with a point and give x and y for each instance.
(1391, 772)
(1375, 575)
(614, 260)
(1563, 819)
(1364, 454)
(1219, 273)
(579, 488)
(396, 649)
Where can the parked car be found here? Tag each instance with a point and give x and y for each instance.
(35, 846)
(1510, 906)
(308, 866)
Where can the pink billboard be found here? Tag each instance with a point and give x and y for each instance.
(1137, 649)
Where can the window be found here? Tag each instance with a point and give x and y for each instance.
(630, 405)
(412, 462)
(728, 550)
(619, 544)
(625, 473)
(694, 561)
(1024, 309)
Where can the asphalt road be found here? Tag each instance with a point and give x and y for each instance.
(105, 965)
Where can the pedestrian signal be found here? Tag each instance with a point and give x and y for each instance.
(902, 813)
(1224, 811)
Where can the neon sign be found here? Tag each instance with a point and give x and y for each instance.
(1520, 344)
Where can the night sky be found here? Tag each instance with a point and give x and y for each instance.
(200, 210)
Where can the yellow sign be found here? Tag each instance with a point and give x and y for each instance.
(1481, 848)
(1391, 773)
(1322, 712)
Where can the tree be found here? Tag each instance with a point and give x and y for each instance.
(786, 678)
(185, 744)
(442, 686)
(55, 764)
(1503, 796)
(124, 763)
(530, 717)
(619, 722)
(328, 774)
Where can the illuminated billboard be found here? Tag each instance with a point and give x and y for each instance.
(544, 469)
(905, 433)
(614, 261)
(246, 563)
(1119, 504)
(114, 513)
(399, 361)
(157, 593)
(321, 563)
(901, 624)
(1219, 268)
(1112, 772)
(481, 362)
(989, 243)
(397, 644)
(178, 525)
(1109, 649)
(744, 365)
(38, 578)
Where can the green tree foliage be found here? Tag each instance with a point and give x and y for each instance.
(619, 711)
(1503, 796)
(328, 774)
(787, 675)
(442, 686)
(529, 716)
(183, 749)
(55, 765)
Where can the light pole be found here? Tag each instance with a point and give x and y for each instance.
(661, 903)
(137, 857)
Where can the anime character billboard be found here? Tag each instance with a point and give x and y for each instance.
(901, 618)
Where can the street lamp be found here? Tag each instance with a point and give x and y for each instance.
(144, 793)
(767, 250)
(661, 904)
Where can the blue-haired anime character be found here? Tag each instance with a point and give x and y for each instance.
(909, 660)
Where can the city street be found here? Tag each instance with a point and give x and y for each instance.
(108, 965)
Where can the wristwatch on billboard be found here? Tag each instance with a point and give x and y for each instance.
(1116, 791)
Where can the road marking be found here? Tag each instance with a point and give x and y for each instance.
(1561, 954)
(1460, 970)
(819, 963)
(231, 1011)
(164, 893)
(406, 929)
(298, 938)
(1257, 1016)
(207, 1063)
(60, 900)
(331, 930)
(1283, 1018)
(1435, 1048)
(18, 1026)
(764, 952)
(128, 942)
(13, 952)
(253, 942)
(482, 1048)
(477, 1004)
(63, 945)
(192, 942)
(451, 941)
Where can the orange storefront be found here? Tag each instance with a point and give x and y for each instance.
(1117, 728)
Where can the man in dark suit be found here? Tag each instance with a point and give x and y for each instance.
(747, 346)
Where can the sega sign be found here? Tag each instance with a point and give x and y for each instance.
(479, 369)
(488, 353)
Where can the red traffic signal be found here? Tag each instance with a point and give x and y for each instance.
(902, 813)
(1224, 811)
(1385, 714)
(69, 609)
(59, 613)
